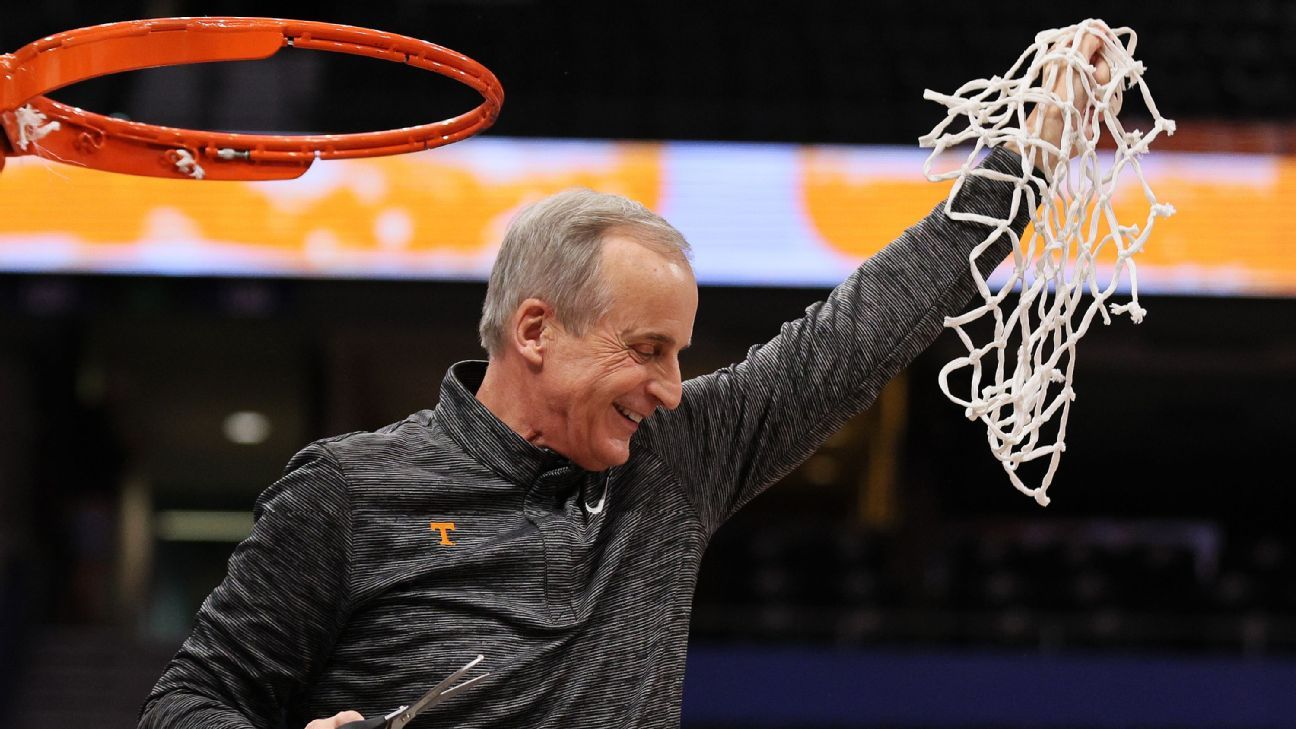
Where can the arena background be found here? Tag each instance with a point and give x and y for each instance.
(895, 580)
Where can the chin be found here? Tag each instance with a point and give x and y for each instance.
(609, 458)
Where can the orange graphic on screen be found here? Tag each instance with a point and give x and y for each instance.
(856, 212)
(1231, 228)
(1238, 228)
(408, 204)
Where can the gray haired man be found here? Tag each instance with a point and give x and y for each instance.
(551, 512)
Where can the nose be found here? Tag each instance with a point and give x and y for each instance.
(667, 388)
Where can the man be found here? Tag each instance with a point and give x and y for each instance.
(552, 511)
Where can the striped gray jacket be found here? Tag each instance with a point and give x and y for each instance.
(381, 562)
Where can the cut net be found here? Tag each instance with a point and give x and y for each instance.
(1020, 380)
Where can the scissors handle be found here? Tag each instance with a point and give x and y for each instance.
(374, 723)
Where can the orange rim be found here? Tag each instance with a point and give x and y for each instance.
(101, 142)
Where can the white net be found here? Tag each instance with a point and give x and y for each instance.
(1019, 382)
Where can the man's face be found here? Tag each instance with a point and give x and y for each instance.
(599, 385)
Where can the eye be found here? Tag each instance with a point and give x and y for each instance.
(644, 351)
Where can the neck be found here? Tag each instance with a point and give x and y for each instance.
(501, 394)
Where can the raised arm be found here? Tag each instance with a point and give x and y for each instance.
(740, 429)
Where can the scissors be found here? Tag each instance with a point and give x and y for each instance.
(402, 716)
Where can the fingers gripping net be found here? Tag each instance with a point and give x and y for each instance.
(1020, 388)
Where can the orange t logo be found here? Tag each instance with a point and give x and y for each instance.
(444, 527)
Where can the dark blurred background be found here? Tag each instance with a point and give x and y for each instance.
(895, 580)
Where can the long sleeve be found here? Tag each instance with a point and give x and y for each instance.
(740, 429)
(267, 630)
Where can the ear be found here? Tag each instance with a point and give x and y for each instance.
(531, 322)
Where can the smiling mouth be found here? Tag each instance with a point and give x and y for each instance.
(632, 417)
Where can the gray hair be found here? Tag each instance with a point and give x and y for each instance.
(552, 251)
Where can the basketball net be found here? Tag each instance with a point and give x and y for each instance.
(1020, 380)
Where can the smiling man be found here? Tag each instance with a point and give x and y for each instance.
(551, 512)
(581, 383)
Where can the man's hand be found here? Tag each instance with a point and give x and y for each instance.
(1050, 119)
(335, 721)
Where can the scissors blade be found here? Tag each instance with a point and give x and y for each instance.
(436, 693)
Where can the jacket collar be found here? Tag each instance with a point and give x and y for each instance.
(485, 437)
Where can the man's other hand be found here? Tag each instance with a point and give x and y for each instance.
(335, 721)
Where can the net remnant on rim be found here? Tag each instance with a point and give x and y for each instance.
(1021, 379)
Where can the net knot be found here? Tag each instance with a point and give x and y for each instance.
(1136, 312)
(185, 162)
